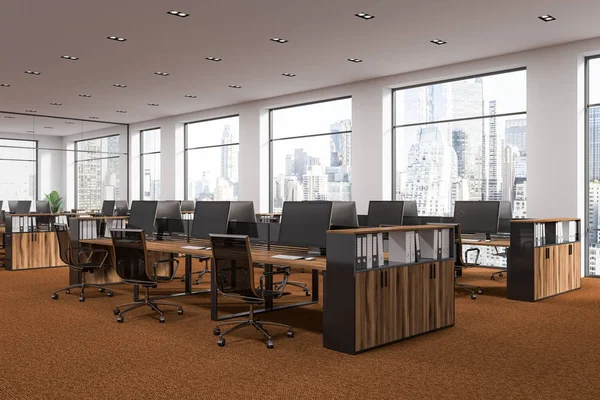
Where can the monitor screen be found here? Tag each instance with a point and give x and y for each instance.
(210, 217)
(142, 216)
(23, 207)
(385, 213)
(187, 205)
(343, 215)
(477, 216)
(121, 208)
(108, 207)
(505, 217)
(168, 217)
(242, 211)
(12, 206)
(42, 206)
(305, 223)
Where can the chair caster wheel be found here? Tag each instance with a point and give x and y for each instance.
(501, 275)
(221, 342)
(307, 294)
(120, 319)
(101, 290)
(493, 278)
(116, 311)
(110, 294)
(216, 331)
(479, 291)
(473, 296)
(197, 282)
(81, 299)
(54, 296)
(67, 291)
(290, 333)
(180, 311)
(161, 319)
(270, 344)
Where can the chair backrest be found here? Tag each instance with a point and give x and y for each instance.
(233, 265)
(65, 248)
(130, 256)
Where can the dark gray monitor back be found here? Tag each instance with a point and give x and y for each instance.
(187, 205)
(343, 215)
(505, 217)
(477, 216)
(23, 207)
(385, 213)
(170, 214)
(242, 211)
(305, 223)
(210, 217)
(121, 208)
(1, 204)
(108, 207)
(411, 213)
(142, 216)
(12, 206)
(42, 206)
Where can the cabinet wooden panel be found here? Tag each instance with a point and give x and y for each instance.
(416, 312)
(21, 251)
(556, 269)
(441, 296)
(545, 273)
(569, 275)
(35, 250)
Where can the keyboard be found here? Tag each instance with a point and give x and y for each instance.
(287, 257)
(470, 240)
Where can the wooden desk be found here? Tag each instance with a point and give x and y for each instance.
(469, 241)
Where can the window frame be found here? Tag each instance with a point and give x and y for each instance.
(272, 140)
(396, 126)
(186, 148)
(36, 161)
(142, 154)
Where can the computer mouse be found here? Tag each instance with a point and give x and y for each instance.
(309, 258)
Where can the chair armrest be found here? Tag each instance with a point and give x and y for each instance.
(91, 252)
(285, 272)
(171, 260)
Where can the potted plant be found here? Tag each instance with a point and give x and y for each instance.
(55, 201)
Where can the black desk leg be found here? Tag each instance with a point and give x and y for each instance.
(214, 295)
(269, 286)
(315, 285)
(188, 274)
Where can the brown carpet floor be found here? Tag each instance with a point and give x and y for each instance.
(499, 349)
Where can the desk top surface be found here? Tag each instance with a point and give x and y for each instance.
(470, 241)
(259, 255)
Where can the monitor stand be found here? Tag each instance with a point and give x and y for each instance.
(483, 236)
(314, 252)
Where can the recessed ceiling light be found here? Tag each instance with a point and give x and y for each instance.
(85, 95)
(4, 85)
(116, 38)
(190, 96)
(119, 85)
(56, 104)
(288, 74)
(214, 59)
(32, 72)
(364, 15)
(9, 117)
(547, 18)
(278, 40)
(153, 104)
(121, 111)
(355, 60)
(72, 58)
(439, 42)
(49, 127)
(161, 73)
(93, 117)
(70, 123)
(178, 13)
(235, 86)
(31, 111)
(29, 131)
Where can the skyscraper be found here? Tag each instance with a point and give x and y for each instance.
(594, 140)
(459, 144)
(494, 175)
(516, 134)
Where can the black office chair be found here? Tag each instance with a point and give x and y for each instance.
(500, 273)
(74, 258)
(235, 279)
(131, 264)
(461, 264)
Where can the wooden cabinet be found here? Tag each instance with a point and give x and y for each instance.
(34, 250)
(556, 269)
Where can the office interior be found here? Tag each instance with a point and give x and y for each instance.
(408, 191)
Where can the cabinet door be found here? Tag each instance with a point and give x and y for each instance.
(22, 253)
(416, 312)
(569, 269)
(441, 295)
(545, 272)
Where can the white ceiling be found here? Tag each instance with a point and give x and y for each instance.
(35, 125)
(322, 34)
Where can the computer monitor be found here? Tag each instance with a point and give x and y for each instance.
(23, 207)
(168, 218)
(108, 208)
(121, 208)
(142, 216)
(305, 224)
(385, 213)
(478, 217)
(242, 211)
(505, 217)
(343, 215)
(210, 217)
(12, 206)
(1, 204)
(187, 205)
(411, 213)
(42, 206)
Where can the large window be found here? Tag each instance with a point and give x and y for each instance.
(462, 140)
(150, 164)
(97, 171)
(18, 170)
(311, 152)
(211, 159)
(593, 165)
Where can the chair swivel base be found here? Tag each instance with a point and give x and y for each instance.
(469, 288)
(258, 325)
(301, 285)
(499, 273)
(82, 286)
(148, 303)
